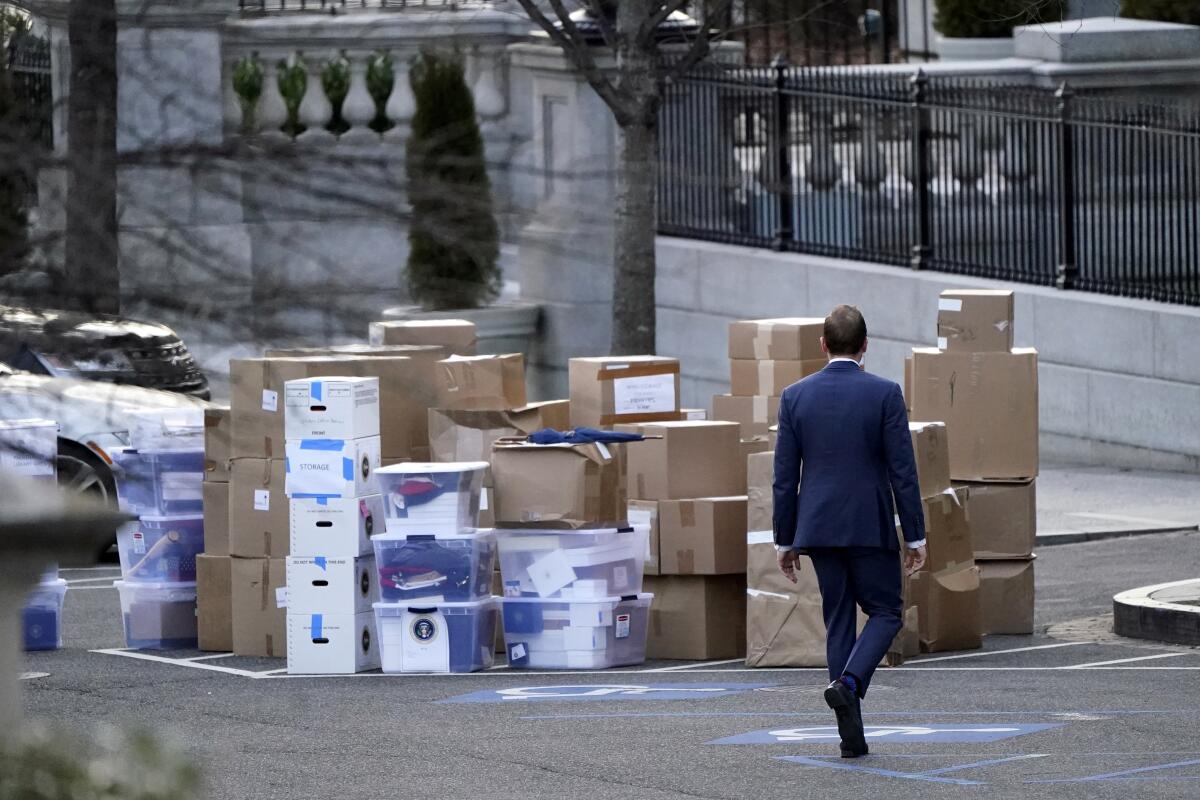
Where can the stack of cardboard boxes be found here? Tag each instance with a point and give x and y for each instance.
(214, 567)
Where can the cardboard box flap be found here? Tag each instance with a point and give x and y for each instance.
(596, 452)
(955, 578)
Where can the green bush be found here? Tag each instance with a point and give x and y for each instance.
(453, 237)
(982, 19)
(1186, 11)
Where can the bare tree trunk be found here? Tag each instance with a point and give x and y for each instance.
(636, 213)
(92, 276)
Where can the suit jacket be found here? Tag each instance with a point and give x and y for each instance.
(847, 430)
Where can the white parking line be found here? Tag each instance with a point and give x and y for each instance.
(140, 656)
(997, 652)
(1125, 660)
(1158, 523)
(680, 667)
(209, 657)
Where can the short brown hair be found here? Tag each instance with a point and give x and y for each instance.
(845, 331)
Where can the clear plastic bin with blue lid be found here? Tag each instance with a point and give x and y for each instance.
(160, 549)
(444, 567)
(41, 618)
(437, 637)
(550, 563)
(425, 496)
(592, 633)
(162, 471)
(158, 616)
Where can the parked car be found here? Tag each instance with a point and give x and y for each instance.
(100, 348)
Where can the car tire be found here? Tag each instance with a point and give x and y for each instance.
(83, 472)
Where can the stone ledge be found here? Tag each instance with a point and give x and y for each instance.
(1106, 39)
(1138, 613)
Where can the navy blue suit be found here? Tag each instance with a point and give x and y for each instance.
(847, 431)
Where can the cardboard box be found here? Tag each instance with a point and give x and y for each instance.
(749, 378)
(785, 626)
(931, 447)
(458, 335)
(457, 435)
(975, 320)
(338, 526)
(756, 414)
(760, 492)
(320, 585)
(216, 519)
(482, 383)
(645, 512)
(218, 442)
(331, 408)
(332, 467)
(1003, 519)
(697, 414)
(697, 617)
(691, 459)
(1006, 595)
(705, 536)
(948, 607)
(908, 384)
(559, 486)
(989, 402)
(259, 622)
(258, 509)
(784, 339)
(214, 603)
(331, 644)
(610, 390)
(750, 447)
(948, 530)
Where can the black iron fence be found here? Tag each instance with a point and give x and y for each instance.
(27, 61)
(342, 6)
(1082, 192)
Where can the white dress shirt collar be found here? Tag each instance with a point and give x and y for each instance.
(843, 358)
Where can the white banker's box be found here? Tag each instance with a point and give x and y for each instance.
(335, 526)
(331, 408)
(332, 467)
(331, 644)
(320, 584)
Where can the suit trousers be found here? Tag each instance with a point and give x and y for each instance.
(867, 577)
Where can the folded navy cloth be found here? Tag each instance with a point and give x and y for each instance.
(582, 436)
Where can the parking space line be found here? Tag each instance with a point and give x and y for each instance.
(988, 763)
(885, 773)
(1162, 523)
(1126, 774)
(208, 657)
(998, 652)
(140, 656)
(680, 667)
(1126, 660)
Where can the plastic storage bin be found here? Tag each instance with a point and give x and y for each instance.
(42, 616)
(432, 498)
(571, 634)
(573, 564)
(446, 637)
(160, 549)
(446, 567)
(160, 483)
(158, 616)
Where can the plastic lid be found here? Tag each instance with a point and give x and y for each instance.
(411, 467)
(434, 604)
(570, 531)
(57, 583)
(171, 518)
(164, 585)
(568, 600)
(400, 536)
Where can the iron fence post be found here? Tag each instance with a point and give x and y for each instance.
(922, 247)
(783, 156)
(1068, 269)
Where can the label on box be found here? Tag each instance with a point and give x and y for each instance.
(949, 304)
(645, 394)
(943, 343)
(281, 598)
(139, 542)
(483, 499)
(620, 577)
(426, 643)
(622, 626)
(512, 588)
(641, 516)
(270, 400)
(262, 499)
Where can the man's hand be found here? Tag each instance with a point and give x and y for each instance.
(914, 560)
(789, 562)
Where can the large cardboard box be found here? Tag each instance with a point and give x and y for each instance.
(784, 623)
(259, 524)
(760, 492)
(609, 390)
(559, 486)
(1003, 519)
(948, 608)
(259, 623)
(751, 447)
(975, 320)
(705, 536)
(784, 339)
(749, 378)
(697, 617)
(214, 603)
(645, 512)
(1006, 596)
(931, 447)
(948, 530)
(218, 441)
(457, 335)
(756, 414)
(456, 435)
(689, 459)
(989, 402)
(481, 383)
(216, 518)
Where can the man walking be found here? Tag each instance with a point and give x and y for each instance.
(847, 431)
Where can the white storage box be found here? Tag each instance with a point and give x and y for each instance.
(320, 584)
(335, 526)
(442, 637)
(432, 497)
(331, 408)
(29, 447)
(332, 467)
(331, 644)
(573, 564)
(158, 616)
(167, 429)
(41, 619)
(447, 567)
(570, 634)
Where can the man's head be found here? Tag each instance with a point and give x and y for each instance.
(845, 333)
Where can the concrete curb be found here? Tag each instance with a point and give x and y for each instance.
(1138, 615)
(1073, 537)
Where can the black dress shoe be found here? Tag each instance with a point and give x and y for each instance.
(849, 719)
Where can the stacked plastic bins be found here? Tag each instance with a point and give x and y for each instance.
(160, 479)
(573, 598)
(331, 427)
(435, 565)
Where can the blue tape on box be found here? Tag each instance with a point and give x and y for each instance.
(319, 561)
(322, 444)
(318, 623)
(315, 390)
(348, 469)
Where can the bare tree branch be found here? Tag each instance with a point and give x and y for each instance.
(603, 22)
(701, 46)
(649, 28)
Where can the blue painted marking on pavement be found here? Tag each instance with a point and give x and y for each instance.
(886, 773)
(977, 764)
(825, 714)
(933, 732)
(1127, 774)
(606, 691)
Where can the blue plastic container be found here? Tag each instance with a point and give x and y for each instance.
(158, 616)
(446, 567)
(42, 616)
(160, 483)
(161, 549)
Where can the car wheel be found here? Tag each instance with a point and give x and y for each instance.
(80, 471)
